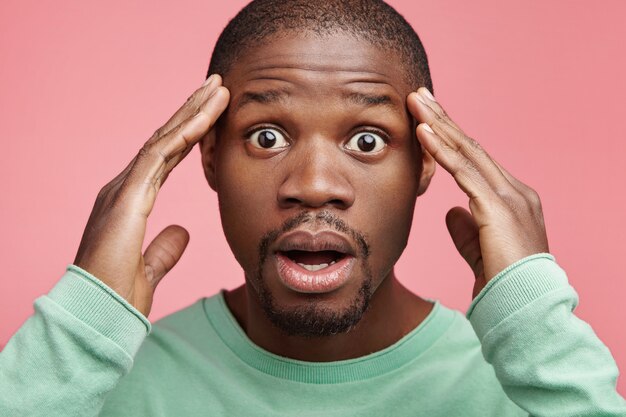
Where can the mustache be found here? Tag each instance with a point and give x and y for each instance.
(325, 217)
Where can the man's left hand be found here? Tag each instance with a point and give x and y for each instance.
(506, 221)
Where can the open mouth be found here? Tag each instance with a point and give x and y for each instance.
(310, 262)
(314, 272)
(314, 261)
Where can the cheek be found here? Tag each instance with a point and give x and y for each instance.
(389, 202)
(243, 193)
(382, 210)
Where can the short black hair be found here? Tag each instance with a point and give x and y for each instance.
(372, 20)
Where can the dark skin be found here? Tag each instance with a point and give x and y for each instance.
(317, 170)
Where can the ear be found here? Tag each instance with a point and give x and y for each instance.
(207, 149)
(428, 170)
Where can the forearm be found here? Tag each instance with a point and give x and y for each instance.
(71, 352)
(548, 361)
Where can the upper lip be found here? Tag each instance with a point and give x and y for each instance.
(325, 240)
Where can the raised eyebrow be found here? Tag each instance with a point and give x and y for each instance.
(263, 97)
(369, 99)
(276, 96)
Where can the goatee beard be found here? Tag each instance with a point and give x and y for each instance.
(311, 319)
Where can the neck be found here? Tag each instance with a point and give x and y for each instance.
(393, 312)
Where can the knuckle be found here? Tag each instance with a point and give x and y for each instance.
(533, 198)
(151, 151)
(467, 169)
(468, 166)
(510, 197)
(471, 146)
(518, 204)
(439, 119)
(108, 190)
(158, 133)
(195, 98)
(444, 115)
(104, 192)
(449, 143)
(163, 131)
(145, 151)
(175, 129)
(447, 147)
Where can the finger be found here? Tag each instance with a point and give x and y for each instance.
(191, 130)
(532, 197)
(455, 137)
(426, 97)
(423, 113)
(464, 172)
(462, 156)
(179, 141)
(444, 126)
(465, 235)
(156, 160)
(523, 188)
(171, 164)
(191, 106)
(429, 111)
(164, 252)
(464, 232)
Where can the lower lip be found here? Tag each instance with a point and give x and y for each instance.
(324, 280)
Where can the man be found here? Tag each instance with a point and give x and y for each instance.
(317, 137)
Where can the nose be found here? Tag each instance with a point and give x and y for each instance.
(314, 177)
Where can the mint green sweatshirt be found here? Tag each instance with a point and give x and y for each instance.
(87, 352)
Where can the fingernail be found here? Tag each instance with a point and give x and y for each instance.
(208, 80)
(427, 128)
(428, 94)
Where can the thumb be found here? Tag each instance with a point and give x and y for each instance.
(164, 252)
(464, 232)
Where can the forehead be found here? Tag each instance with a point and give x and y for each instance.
(311, 62)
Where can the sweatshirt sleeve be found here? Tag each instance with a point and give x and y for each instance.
(548, 361)
(72, 351)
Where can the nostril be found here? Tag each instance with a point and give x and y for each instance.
(337, 202)
(313, 193)
(292, 200)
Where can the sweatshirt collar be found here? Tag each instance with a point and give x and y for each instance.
(405, 350)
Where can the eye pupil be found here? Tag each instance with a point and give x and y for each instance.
(267, 139)
(366, 142)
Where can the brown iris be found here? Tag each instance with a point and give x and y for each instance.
(366, 142)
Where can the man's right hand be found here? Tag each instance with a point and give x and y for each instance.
(111, 245)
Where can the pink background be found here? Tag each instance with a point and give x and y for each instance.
(83, 85)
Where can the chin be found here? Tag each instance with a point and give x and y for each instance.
(314, 314)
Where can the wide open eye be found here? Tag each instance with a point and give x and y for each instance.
(268, 139)
(367, 142)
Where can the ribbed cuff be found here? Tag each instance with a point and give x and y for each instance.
(513, 288)
(97, 305)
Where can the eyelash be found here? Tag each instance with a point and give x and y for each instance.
(369, 129)
(376, 130)
(258, 128)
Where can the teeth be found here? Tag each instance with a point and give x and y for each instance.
(314, 267)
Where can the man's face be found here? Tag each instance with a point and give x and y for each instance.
(317, 170)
